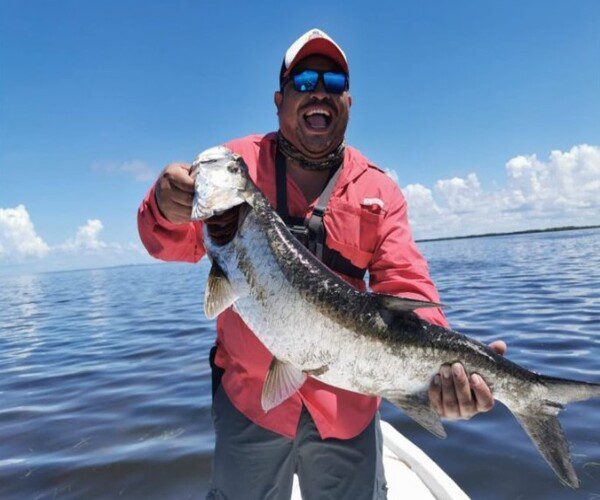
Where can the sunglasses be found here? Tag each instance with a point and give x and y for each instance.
(307, 81)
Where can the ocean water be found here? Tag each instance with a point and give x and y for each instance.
(105, 383)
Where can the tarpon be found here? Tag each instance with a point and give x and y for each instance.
(317, 325)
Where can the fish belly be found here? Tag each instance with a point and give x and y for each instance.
(295, 331)
(284, 321)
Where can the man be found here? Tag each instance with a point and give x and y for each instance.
(357, 221)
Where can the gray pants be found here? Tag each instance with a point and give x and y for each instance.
(251, 462)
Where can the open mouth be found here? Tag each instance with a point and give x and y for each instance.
(317, 118)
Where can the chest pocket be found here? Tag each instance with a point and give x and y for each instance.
(353, 230)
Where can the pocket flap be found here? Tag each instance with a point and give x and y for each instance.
(358, 257)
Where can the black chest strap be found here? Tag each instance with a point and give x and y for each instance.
(311, 232)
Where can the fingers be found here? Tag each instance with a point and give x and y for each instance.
(167, 193)
(484, 399)
(466, 404)
(499, 346)
(454, 395)
(175, 205)
(449, 399)
(175, 192)
(183, 182)
(435, 395)
(178, 175)
(177, 214)
(181, 197)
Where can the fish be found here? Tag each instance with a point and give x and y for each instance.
(317, 325)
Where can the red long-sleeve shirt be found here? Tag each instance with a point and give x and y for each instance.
(366, 221)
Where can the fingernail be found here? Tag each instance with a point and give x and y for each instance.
(445, 371)
(456, 369)
(436, 380)
(476, 379)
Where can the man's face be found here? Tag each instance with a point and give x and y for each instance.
(301, 117)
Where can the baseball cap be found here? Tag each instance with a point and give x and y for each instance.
(312, 42)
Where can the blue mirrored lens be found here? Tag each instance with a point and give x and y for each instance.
(306, 81)
(334, 82)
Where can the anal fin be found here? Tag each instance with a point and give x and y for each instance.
(417, 407)
(283, 380)
(219, 294)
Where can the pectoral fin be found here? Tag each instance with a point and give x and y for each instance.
(417, 407)
(283, 380)
(219, 294)
(402, 304)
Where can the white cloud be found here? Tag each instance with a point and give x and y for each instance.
(18, 238)
(420, 200)
(139, 169)
(564, 190)
(22, 250)
(87, 238)
(460, 195)
(567, 180)
(392, 174)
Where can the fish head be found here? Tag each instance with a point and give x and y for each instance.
(221, 182)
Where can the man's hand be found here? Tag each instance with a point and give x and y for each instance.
(175, 192)
(175, 195)
(455, 396)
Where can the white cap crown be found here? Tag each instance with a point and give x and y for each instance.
(313, 42)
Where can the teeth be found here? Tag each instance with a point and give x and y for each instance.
(318, 111)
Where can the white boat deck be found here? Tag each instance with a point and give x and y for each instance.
(409, 472)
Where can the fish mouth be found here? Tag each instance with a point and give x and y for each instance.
(317, 118)
(244, 210)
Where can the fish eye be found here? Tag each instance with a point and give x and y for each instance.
(234, 169)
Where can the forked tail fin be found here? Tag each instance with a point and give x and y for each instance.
(539, 419)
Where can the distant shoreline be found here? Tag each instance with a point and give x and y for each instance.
(426, 240)
(526, 231)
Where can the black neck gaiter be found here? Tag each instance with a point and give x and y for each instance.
(332, 160)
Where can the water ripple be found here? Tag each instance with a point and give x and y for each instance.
(105, 383)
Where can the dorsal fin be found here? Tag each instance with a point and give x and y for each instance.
(402, 304)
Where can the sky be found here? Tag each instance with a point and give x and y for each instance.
(486, 113)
